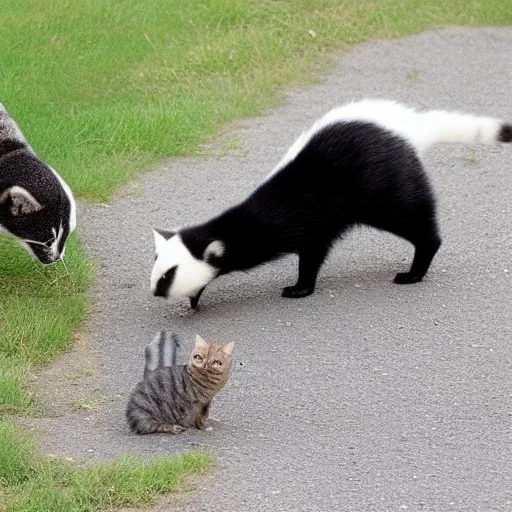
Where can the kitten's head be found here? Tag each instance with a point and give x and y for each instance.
(43, 217)
(179, 273)
(211, 361)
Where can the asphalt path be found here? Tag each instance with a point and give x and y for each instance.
(366, 396)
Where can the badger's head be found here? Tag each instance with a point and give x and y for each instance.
(42, 218)
(182, 271)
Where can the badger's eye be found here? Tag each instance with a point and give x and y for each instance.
(217, 363)
(198, 358)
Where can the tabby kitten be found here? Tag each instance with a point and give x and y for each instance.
(172, 399)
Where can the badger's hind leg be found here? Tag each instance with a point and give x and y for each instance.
(411, 216)
(421, 230)
(423, 255)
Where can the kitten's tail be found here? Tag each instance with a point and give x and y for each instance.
(441, 126)
(161, 352)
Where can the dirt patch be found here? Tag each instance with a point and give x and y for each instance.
(69, 383)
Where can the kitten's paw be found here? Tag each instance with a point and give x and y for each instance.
(202, 425)
(296, 292)
(406, 278)
(171, 429)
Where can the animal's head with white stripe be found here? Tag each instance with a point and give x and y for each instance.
(36, 205)
(42, 216)
(184, 264)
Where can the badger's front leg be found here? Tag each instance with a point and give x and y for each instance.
(310, 262)
(195, 299)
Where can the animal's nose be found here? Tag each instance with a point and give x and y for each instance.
(50, 260)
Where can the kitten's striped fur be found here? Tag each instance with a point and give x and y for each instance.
(160, 352)
(174, 398)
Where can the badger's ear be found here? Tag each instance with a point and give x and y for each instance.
(19, 201)
(161, 236)
(215, 249)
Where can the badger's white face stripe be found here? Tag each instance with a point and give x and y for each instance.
(52, 245)
(72, 208)
(191, 274)
(54, 248)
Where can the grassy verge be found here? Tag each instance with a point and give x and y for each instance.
(103, 91)
(40, 308)
(106, 89)
(32, 484)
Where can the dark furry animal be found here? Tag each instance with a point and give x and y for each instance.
(36, 205)
(359, 164)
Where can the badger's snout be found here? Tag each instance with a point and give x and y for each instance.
(160, 293)
(163, 285)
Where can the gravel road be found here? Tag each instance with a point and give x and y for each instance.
(365, 396)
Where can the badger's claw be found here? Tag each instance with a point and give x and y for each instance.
(195, 299)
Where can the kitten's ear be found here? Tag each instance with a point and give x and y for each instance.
(19, 200)
(228, 349)
(200, 342)
(215, 249)
(161, 236)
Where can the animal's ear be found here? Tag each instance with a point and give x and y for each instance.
(200, 342)
(215, 249)
(161, 236)
(228, 349)
(19, 201)
(152, 353)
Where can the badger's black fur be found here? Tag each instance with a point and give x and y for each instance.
(342, 173)
(349, 173)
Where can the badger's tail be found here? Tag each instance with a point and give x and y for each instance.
(441, 126)
(161, 352)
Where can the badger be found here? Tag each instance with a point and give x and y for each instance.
(36, 204)
(357, 165)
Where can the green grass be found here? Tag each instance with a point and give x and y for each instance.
(40, 309)
(88, 403)
(413, 74)
(105, 89)
(29, 483)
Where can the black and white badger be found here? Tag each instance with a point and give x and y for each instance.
(36, 204)
(359, 164)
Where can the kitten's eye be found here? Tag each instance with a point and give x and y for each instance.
(218, 363)
(198, 358)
